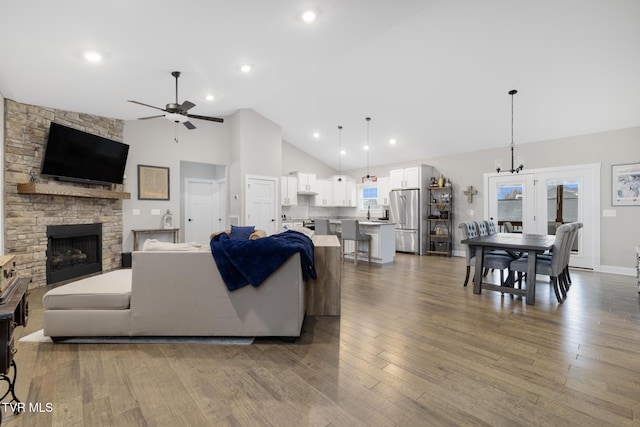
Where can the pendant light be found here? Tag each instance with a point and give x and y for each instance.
(367, 147)
(339, 153)
(512, 145)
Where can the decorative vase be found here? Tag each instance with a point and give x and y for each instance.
(440, 181)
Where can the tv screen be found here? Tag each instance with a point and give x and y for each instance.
(78, 156)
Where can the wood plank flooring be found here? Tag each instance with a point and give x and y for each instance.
(413, 347)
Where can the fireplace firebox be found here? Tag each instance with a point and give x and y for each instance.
(73, 251)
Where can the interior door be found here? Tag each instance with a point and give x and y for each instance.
(203, 209)
(261, 210)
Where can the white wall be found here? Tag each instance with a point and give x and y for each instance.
(256, 149)
(296, 160)
(152, 143)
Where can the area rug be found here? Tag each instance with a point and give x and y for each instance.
(39, 337)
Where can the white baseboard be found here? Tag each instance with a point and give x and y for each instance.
(613, 269)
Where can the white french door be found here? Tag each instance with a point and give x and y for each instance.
(541, 200)
(512, 198)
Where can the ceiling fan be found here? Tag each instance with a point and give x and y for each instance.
(178, 112)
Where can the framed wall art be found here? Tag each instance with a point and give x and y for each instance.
(153, 182)
(625, 183)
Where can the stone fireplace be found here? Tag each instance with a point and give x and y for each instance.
(73, 250)
(28, 216)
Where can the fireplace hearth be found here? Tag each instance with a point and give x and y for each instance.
(73, 251)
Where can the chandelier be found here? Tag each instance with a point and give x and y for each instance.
(520, 166)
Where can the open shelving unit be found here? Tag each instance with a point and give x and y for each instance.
(440, 218)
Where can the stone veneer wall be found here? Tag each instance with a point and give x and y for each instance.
(27, 216)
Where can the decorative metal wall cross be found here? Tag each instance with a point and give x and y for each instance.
(469, 192)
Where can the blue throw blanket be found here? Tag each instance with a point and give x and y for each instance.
(243, 262)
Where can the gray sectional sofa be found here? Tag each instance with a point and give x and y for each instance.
(176, 293)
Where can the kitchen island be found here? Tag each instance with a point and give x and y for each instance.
(383, 240)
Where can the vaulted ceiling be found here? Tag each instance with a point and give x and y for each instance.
(433, 75)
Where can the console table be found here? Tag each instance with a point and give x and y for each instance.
(175, 233)
(14, 311)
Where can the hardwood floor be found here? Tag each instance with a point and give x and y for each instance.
(412, 347)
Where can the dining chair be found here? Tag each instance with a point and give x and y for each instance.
(351, 231)
(553, 267)
(493, 261)
(508, 227)
(575, 229)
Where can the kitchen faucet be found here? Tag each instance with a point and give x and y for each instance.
(368, 213)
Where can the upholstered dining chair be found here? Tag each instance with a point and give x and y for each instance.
(553, 267)
(493, 261)
(508, 227)
(351, 231)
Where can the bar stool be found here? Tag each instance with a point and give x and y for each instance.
(351, 231)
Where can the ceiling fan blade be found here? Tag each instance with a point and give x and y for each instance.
(150, 117)
(211, 119)
(186, 106)
(146, 105)
(189, 125)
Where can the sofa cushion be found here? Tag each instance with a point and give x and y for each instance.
(241, 233)
(108, 291)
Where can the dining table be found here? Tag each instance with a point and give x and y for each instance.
(517, 245)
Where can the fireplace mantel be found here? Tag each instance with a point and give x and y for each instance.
(68, 190)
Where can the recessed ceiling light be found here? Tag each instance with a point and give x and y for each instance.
(245, 68)
(92, 56)
(365, 147)
(343, 152)
(209, 97)
(392, 141)
(309, 16)
(316, 135)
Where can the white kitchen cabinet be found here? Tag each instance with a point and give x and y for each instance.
(288, 191)
(324, 197)
(405, 178)
(344, 193)
(306, 183)
(383, 191)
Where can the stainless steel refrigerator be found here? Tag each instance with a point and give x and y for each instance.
(405, 212)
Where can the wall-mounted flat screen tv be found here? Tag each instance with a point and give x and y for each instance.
(74, 155)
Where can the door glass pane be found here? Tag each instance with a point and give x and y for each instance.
(563, 203)
(510, 204)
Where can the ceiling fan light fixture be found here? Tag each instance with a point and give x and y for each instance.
(175, 117)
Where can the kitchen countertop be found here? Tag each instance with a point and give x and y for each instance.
(365, 222)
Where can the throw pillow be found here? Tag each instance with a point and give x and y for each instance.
(241, 233)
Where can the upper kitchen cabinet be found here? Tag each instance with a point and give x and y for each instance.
(306, 183)
(384, 187)
(325, 193)
(288, 191)
(413, 177)
(344, 192)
